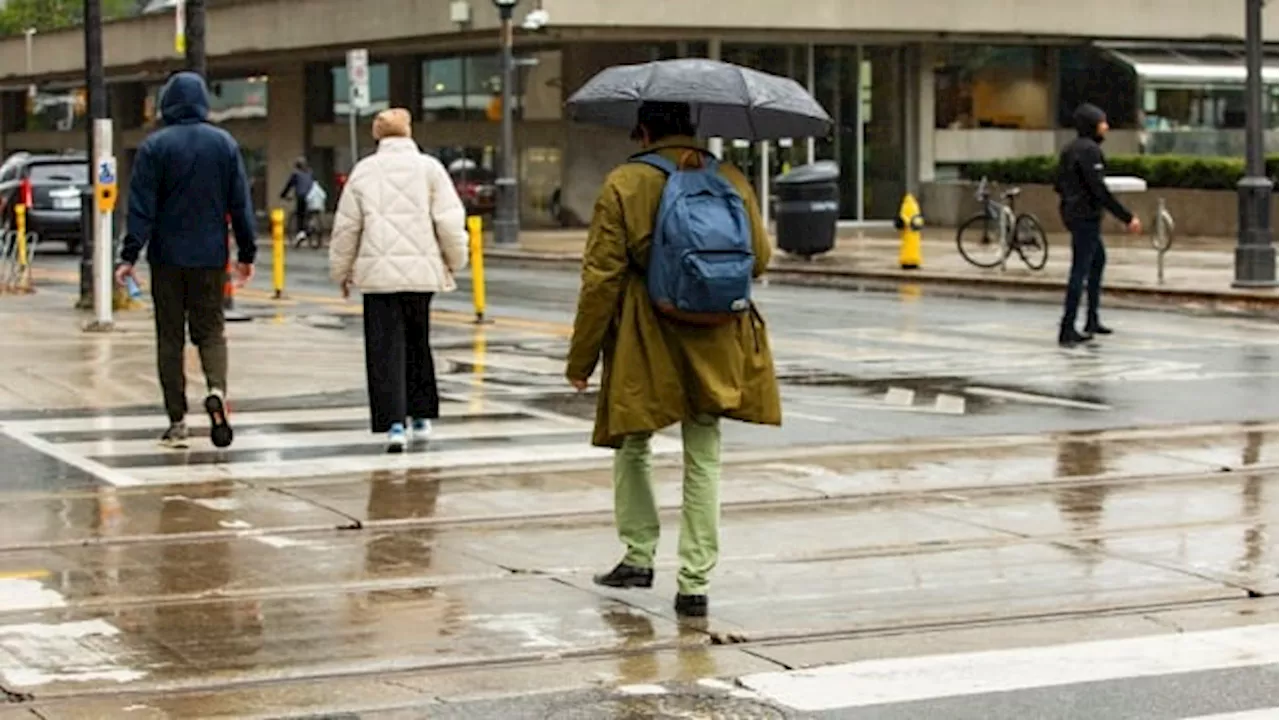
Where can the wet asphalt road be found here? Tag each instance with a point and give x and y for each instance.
(879, 365)
(1121, 492)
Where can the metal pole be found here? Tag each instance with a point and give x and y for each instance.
(96, 99)
(31, 86)
(715, 145)
(810, 83)
(764, 183)
(1255, 255)
(506, 223)
(196, 60)
(352, 137)
(103, 251)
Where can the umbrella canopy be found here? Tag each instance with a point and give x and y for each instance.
(726, 100)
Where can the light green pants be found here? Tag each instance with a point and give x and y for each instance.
(636, 509)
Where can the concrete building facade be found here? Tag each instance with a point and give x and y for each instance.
(917, 88)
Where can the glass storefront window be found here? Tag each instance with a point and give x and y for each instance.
(993, 86)
(231, 99)
(1086, 74)
(379, 91)
(56, 110)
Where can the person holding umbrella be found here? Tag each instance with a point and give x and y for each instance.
(661, 365)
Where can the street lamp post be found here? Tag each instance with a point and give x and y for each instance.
(506, 222)
(1255, 255)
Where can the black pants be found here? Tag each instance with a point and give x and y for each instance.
(299, 215)
(1088, 258)
(397, 358)
(188, 298)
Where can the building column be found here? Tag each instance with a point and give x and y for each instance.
(921, 116)
(127, 104)
(286, 125)
(404, 78)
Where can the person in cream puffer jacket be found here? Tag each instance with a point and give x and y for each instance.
(399, 237)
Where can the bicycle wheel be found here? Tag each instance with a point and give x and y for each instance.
(1030, 242)
(978, 240)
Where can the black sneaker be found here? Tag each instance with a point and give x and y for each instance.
(626, 576)
(1068, 337)
(219, 426)
(1097, 329)
(177, 437)
(691, 605)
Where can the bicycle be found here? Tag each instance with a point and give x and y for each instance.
(1003, 229)
(311, 235)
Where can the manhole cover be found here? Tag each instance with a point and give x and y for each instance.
(669, 707)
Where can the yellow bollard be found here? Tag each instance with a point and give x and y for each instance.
(475, 226)
(277, 251)
(20, 223)
(909, 222)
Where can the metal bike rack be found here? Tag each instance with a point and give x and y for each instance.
(1162, 237)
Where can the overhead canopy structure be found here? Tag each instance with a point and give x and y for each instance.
(1190, 65)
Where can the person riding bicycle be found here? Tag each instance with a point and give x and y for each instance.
(301, 180)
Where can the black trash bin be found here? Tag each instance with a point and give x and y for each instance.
(807, 209)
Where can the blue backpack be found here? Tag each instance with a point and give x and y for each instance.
(701, 263)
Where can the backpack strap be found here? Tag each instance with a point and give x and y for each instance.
(653, 159)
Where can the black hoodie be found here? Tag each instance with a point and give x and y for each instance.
(188, 180)
(1082, 172)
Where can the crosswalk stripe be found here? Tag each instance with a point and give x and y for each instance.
(340, 438)
(1262, 714)
(908, 679)
(199, 420)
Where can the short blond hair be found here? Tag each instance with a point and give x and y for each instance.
(393, 122)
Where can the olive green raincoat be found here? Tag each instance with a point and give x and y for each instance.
(658, 371)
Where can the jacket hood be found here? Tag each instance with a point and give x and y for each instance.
(184, 100)
(1086, 118)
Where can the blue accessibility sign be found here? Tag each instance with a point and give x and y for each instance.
(107, 171)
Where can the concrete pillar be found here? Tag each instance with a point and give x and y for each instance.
(921, 111)
(286, 126)
(404, 78)
(127, 105)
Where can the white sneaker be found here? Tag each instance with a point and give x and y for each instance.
(421, 428)
(396, 439)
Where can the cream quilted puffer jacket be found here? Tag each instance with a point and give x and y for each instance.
(400, 225)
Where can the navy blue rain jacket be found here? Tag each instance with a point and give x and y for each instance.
(188, 178)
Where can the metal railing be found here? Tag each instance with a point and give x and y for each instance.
(1161, 237)
(17, 252)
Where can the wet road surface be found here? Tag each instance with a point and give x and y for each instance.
(948, 484)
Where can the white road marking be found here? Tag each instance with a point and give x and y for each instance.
(201, 421)
(1263, 714)
(899, 680)
(899, 397)
(34, 654)
(111, 476)
(334, 438)
(1033, 398)
(949, 404)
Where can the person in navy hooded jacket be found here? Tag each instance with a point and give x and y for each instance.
(188, 180)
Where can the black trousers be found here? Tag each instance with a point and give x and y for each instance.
(397, 358)
(188, 298)
(1088, 259)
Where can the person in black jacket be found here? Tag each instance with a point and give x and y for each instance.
(188, 182)
(300, 182)
(1084, 194)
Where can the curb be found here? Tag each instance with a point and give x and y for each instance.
(1229, 300)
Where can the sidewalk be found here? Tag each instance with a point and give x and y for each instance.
(1201, 270)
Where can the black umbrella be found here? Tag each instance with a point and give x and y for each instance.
(726, 100)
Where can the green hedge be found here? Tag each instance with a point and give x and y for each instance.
(1176, 171)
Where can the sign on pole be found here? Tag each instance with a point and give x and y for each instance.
(180, 27)
(358, 78)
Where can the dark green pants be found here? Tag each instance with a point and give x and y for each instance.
(188, 298)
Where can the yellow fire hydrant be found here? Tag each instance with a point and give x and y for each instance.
(909, 223)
